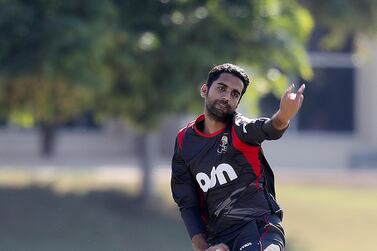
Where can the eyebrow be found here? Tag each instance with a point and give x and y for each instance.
(220, 83)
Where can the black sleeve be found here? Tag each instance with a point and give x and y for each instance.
(185, 195)
(255, 131)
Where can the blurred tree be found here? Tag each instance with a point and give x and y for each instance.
(164, 50)
(343, 19)
(52, 60)
(56, 55)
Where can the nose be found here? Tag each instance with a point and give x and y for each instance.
(226, 96)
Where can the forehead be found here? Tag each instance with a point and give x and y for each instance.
(230, 80)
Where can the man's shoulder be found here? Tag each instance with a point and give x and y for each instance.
(182, 132)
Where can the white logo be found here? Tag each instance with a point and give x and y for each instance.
(246, 245)
(217, 174)
(240, 120)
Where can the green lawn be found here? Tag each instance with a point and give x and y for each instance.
(85, 211)
(321, 218)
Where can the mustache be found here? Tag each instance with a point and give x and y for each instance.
(225, 103)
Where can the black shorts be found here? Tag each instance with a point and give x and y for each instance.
(263, 234)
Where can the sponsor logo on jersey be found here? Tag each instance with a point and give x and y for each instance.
(217, 175)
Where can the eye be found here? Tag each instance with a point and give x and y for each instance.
(221, 88)
(235, 94)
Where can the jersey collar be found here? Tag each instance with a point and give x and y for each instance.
(205, 135)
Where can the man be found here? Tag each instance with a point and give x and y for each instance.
(221, 181)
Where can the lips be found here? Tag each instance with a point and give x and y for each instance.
(222, 105)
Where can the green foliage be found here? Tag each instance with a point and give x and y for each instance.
(343, 19)
(162, 58)
(146, 58)
(51, 53)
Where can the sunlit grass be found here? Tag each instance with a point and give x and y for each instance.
(320, 218)
(72, 180)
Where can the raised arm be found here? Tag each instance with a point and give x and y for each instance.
(255, 131)
(290, 104)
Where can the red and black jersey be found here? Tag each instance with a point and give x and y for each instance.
(222, 180)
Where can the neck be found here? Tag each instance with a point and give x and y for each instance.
(211, 125)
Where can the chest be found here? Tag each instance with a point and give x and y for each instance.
(215, 162)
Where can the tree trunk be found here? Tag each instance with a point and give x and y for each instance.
(145, 159)
(48, 136)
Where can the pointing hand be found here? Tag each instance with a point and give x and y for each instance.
(291, 102)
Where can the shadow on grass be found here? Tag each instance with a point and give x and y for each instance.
(36, 218)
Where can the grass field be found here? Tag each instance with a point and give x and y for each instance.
(81, 210)
(329, 218)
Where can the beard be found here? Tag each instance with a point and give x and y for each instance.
(219, 110)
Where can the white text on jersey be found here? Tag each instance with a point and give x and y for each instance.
(217, 174)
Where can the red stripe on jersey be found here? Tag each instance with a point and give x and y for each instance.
(203, 213)
(266, 221)
(251, 153)
(181, 135)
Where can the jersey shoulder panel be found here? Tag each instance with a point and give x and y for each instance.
(181, 134)
(240, 119)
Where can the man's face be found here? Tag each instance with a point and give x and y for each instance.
(222, 98)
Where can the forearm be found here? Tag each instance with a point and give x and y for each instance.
(279, 120)
(199, 242)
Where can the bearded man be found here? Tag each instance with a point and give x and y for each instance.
(221, 180)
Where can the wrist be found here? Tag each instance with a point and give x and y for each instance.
(280, 120)
(199, 242)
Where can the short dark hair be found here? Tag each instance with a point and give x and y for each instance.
(237, 71)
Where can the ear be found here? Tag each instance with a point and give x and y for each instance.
(204, 90)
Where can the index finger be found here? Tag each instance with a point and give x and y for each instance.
(301, 89)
